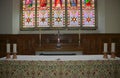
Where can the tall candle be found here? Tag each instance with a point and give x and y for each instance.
(58, 40)
(112, 47)
(8, 47)
(14, 48)
(105, 47)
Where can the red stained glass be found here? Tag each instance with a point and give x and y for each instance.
(43, 3)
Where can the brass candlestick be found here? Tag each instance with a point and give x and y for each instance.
(14, 56)
(105, 55)
(8, 56)
(113, 55)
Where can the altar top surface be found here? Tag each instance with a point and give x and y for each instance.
(59, 57)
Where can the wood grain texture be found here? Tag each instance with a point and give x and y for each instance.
(28, 44)
(93, 43)
(68, 42)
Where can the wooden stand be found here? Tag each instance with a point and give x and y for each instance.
(105, 55)
(14, 56)
(113, 55)
(8, 56)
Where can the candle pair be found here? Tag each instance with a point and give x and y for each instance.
(106, 47)
(14, 48)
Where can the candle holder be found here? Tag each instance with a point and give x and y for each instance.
(113, 55)
(14, 56)
(8, 56)
(105, 55)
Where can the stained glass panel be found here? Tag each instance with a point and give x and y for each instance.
(58, 13)
(73, 13)
(28, 13)
(88, 13)
(43, 13)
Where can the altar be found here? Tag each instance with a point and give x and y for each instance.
(72, 66)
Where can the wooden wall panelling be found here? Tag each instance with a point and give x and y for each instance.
(110, 38)
(68, 42)
(90, 43)
(2, 47)
(94, 43)
(116, 39)
(4, 39)
(105, 39)
(27, 44)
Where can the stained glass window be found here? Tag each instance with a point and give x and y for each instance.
(73, 13)
(28, 14)
(88, 13)
(58, 13)
(43, 13)
(54, 14)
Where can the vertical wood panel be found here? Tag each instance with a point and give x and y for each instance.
(26, 44)
(93, 43)
(89, 43)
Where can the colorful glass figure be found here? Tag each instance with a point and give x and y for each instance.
(58, 3)
(87, 2)
(43, 13)
(58, 13)
(43, 3)
(29, 3)
(73, 2)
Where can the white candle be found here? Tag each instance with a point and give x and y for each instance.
(8, 47)
(58, 40)
(105, 47)
(112, 47)
(14, 48)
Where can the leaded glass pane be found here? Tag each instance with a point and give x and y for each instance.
(58, 13)
(43, 13)
(28, 13)
(88, 13)
(73, 13)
